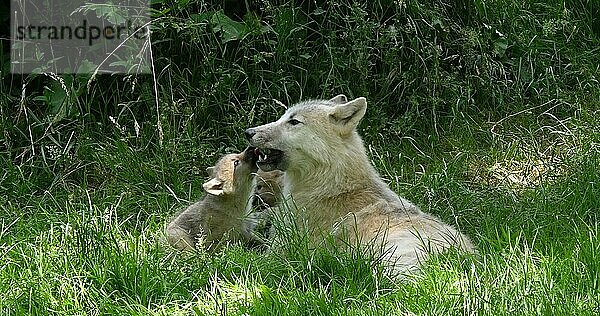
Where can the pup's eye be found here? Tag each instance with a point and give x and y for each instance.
(294, 122)
(236, 163)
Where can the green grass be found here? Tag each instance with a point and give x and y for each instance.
(482, 112)
(83, 249)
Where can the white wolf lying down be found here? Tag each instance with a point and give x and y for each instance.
(336, 190)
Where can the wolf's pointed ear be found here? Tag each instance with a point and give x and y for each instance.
(339, 99)
(346, 116)
(214, 187)
(210, 171)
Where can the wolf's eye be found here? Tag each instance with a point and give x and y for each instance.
(236, 163)
(294, 122)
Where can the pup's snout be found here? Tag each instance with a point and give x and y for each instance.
(250, 154)
(249, 133)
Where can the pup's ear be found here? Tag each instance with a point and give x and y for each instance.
(214, 187)
(346, 116)
(339, 99)
(210, 171)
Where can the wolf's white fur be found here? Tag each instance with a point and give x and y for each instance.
(329, 178)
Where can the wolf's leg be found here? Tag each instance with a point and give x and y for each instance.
(183, 231)
(255, 229)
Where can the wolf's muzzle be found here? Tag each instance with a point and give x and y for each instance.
(249, 133)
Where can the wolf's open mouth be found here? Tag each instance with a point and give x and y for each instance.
(268, 158)
(268, 155)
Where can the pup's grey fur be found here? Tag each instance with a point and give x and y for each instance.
(268, 188)
(220, 216)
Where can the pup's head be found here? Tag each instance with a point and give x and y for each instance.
(309, 132)
(232, 173)
(268, 186)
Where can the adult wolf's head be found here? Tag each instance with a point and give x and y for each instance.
(310, 133)
(233, 173)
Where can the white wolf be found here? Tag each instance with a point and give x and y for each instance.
(330, 180)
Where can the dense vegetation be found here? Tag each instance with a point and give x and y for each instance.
(482, 112)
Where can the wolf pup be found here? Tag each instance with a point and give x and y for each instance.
(267, 194)
(222, 212)
(268, 188)
(336, 190)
